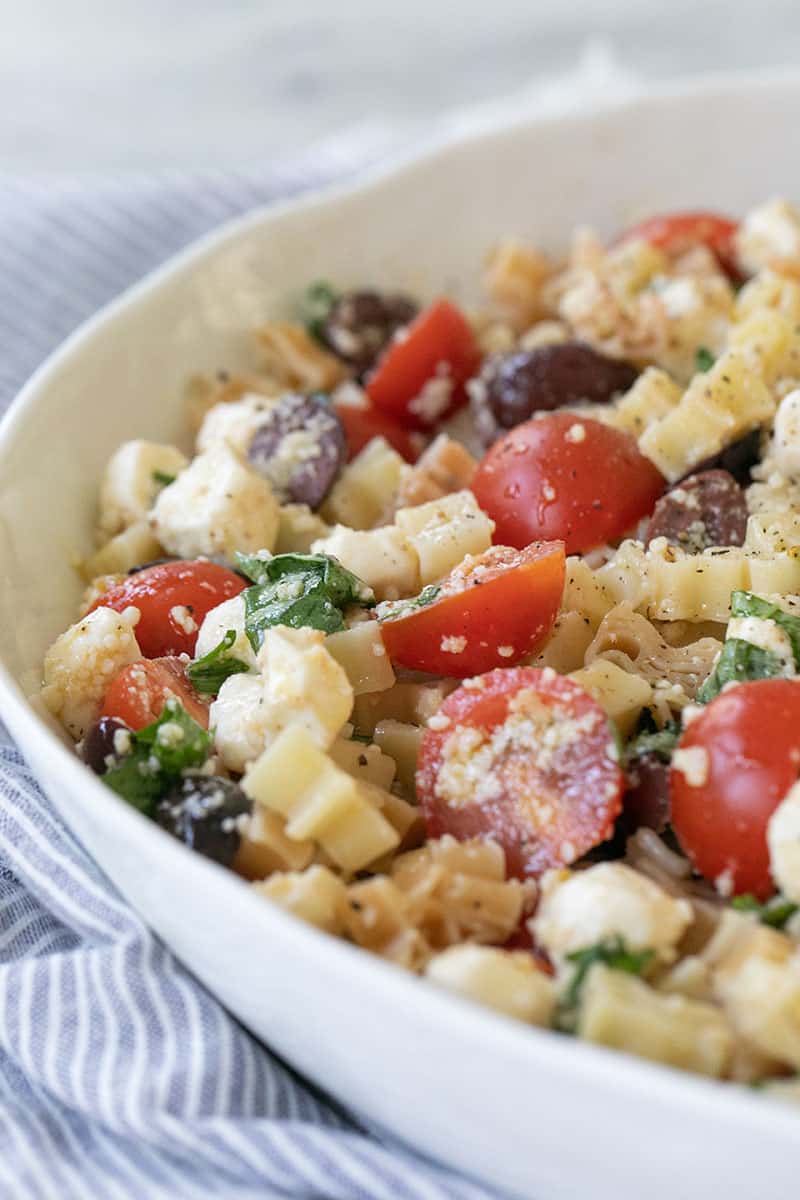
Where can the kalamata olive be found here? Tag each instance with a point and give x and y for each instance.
(738, 459)
(702, 510)
(360, 324)
(300, 447)
(203, 812)
(645, 801)
(512, 387)
(101, 748)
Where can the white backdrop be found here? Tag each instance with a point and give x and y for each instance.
(146, 83)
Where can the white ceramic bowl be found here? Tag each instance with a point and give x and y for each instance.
(536, 1113)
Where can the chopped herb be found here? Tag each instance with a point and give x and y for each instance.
(390, 610)
(745, 604)
(158, 755)
(703, 359)
(660, 742)
(210, 672)
(611, 952)
(774, 912)
(317, 303)
(163, 478)
(298, 590)
(739, 662)
(361, 737)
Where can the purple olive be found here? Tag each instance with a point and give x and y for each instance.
(360, 325)
(100, 748)
(300, 448)
(203, 812)
(512, 387)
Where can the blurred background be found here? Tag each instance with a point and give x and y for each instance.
(104, 84)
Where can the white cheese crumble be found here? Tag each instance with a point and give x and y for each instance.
(693, 763)
(453, 645)
(576, 433)
(182, 617)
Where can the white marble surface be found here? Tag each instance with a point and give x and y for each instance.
(88, 84)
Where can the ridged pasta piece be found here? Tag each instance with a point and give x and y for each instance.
(623, 1012)
(265, 847)
(361, 653)
(291, 357)
(319, 801)
(652, 396)
(204, 393)
(771, 336)
(401, 741)
(769, 291)
(409, 703)
(377, 918)
(586, 592)
(315, 895)
(567, 643)
(621, 694)
(365, 762)
(514, 279)
(718, 407)
(443, 532)
(364, 493)
(444, 467)
(629, 641)
(762, 1000)
(135, 545)
(507, 981)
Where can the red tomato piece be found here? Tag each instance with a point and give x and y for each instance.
(173, 599)
(746, 744)
(568, 477)
(525, 757)
(490, 612)
(419, 379)
(137, 694)
(675, 233)
(363, 423)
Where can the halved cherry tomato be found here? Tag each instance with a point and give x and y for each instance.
(525, 757)
(420, 376)
(137, 694)
(489, 612)
(675, 233)
(568, 477)
(363, 423)
(745, 755)
(173, 599)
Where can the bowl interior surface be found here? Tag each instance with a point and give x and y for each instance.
(495, 1099)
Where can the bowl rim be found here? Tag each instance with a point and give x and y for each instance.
(530, 1045)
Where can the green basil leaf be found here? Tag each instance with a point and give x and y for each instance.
(159, 753)
(745, 604)
(315, 308)
(703, 359)
(775, 912)
(611, 952)
(390, 610)
(739, 662)
(163, 478)
(659, 741)
(210, 672)
(298, 590)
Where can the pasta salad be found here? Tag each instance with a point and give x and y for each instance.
(473, 637)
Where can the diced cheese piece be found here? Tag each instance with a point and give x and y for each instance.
(652, 396)
(506, 981)
(130, 548)
(621, 1011)
(316, 896)
(762, 999)
(579, 908)
(364, 761)
(234, 423)
(366, 487)
(786, 434)
(699, 309)
(318, 800)
(401, 742)
(621, 694)
(566, 645)
(362, 654)
(443, 532)
(216, 506)
(217, 622)
(412, 703)
(264, 847)
(81, 663)
(301, 684)
(130, 483)
(769, 236)
(783, 839)
(384, 558)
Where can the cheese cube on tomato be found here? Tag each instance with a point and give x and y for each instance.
(81, 663)
(216, 506)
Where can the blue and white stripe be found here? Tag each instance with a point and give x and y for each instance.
(120, 1076)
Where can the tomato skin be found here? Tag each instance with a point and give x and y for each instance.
(509, 601)
(137, 693)
(541, 481)
(674, 233)
(751, 737)
(195, 585)
(362, 424)
(544, 812)
(439, 335)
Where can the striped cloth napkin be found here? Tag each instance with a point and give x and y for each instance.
(120, 1076)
